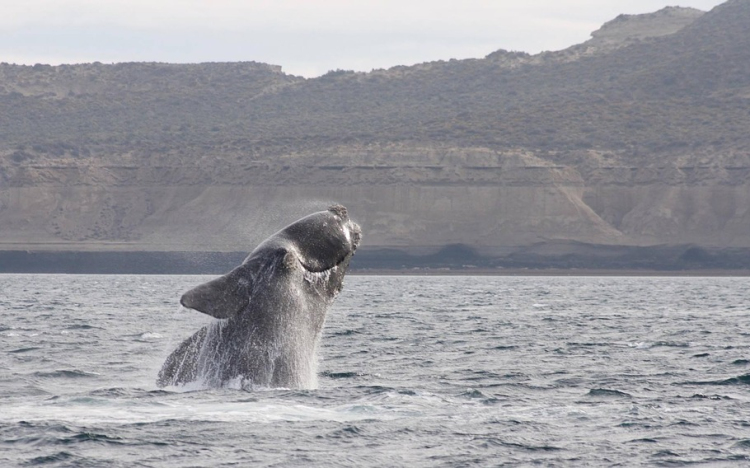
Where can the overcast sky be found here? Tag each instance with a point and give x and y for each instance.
(305, 37)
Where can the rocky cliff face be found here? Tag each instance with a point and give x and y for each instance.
(637, 137)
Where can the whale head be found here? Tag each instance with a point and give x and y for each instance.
(314, 252)
(320, 241)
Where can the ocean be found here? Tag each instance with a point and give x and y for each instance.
(413, 371)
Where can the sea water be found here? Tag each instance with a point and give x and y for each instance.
(414, 371)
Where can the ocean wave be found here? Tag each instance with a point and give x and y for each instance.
(605, 392)
(738, 380)
(66, 373)
(24, 350)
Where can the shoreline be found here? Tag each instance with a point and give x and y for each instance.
(519, 272)
(377, 263)
(553, 272)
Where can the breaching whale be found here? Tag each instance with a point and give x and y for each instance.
(271, 309)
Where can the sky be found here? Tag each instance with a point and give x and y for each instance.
(305, 37)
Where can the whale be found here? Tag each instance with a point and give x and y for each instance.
(269, 311)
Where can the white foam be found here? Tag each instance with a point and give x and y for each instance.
(82, 411)
(150, 336)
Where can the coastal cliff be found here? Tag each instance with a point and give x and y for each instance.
(634, 139)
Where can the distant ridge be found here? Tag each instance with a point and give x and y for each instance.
(628, 29)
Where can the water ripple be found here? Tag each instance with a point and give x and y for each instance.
(444, 371)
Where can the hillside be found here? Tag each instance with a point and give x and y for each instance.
(635, 138)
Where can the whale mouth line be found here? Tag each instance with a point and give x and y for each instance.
(314, 270)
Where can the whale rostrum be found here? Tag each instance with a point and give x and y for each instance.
(271, 309)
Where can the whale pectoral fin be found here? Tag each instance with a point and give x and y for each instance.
(222, 298)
